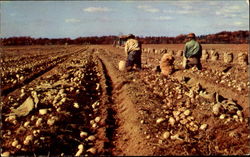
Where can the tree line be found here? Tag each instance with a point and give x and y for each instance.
(225, 37)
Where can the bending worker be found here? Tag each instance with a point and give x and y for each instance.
(192, 53)
(133, 52)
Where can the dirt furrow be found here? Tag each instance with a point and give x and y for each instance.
(8, 89)
(212, 87)
(110, 119)
(128, 138)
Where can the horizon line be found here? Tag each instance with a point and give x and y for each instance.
(140, 36)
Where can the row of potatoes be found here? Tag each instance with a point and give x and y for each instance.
(228, 57)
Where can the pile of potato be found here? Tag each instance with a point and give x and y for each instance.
(65, 113)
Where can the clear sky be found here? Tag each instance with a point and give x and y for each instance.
(58, 19)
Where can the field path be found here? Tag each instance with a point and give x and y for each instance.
(128, 138)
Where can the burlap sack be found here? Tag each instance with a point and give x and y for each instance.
(179, 53)
(166, 64)
(228, 57)
(242, 59)
(214, 56)
(205, 55)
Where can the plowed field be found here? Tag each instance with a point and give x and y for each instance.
(73, 100)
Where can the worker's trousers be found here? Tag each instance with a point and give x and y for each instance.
(190, 62)
(134, 58)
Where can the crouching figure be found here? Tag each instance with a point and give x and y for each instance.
(133, 53)
(192, 53)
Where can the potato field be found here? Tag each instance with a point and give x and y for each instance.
(73, 100)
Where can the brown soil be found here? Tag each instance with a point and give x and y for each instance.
(130, 103)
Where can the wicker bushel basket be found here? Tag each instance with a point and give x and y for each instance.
(122, 65)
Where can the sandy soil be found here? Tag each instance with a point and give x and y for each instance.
(95, 106)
